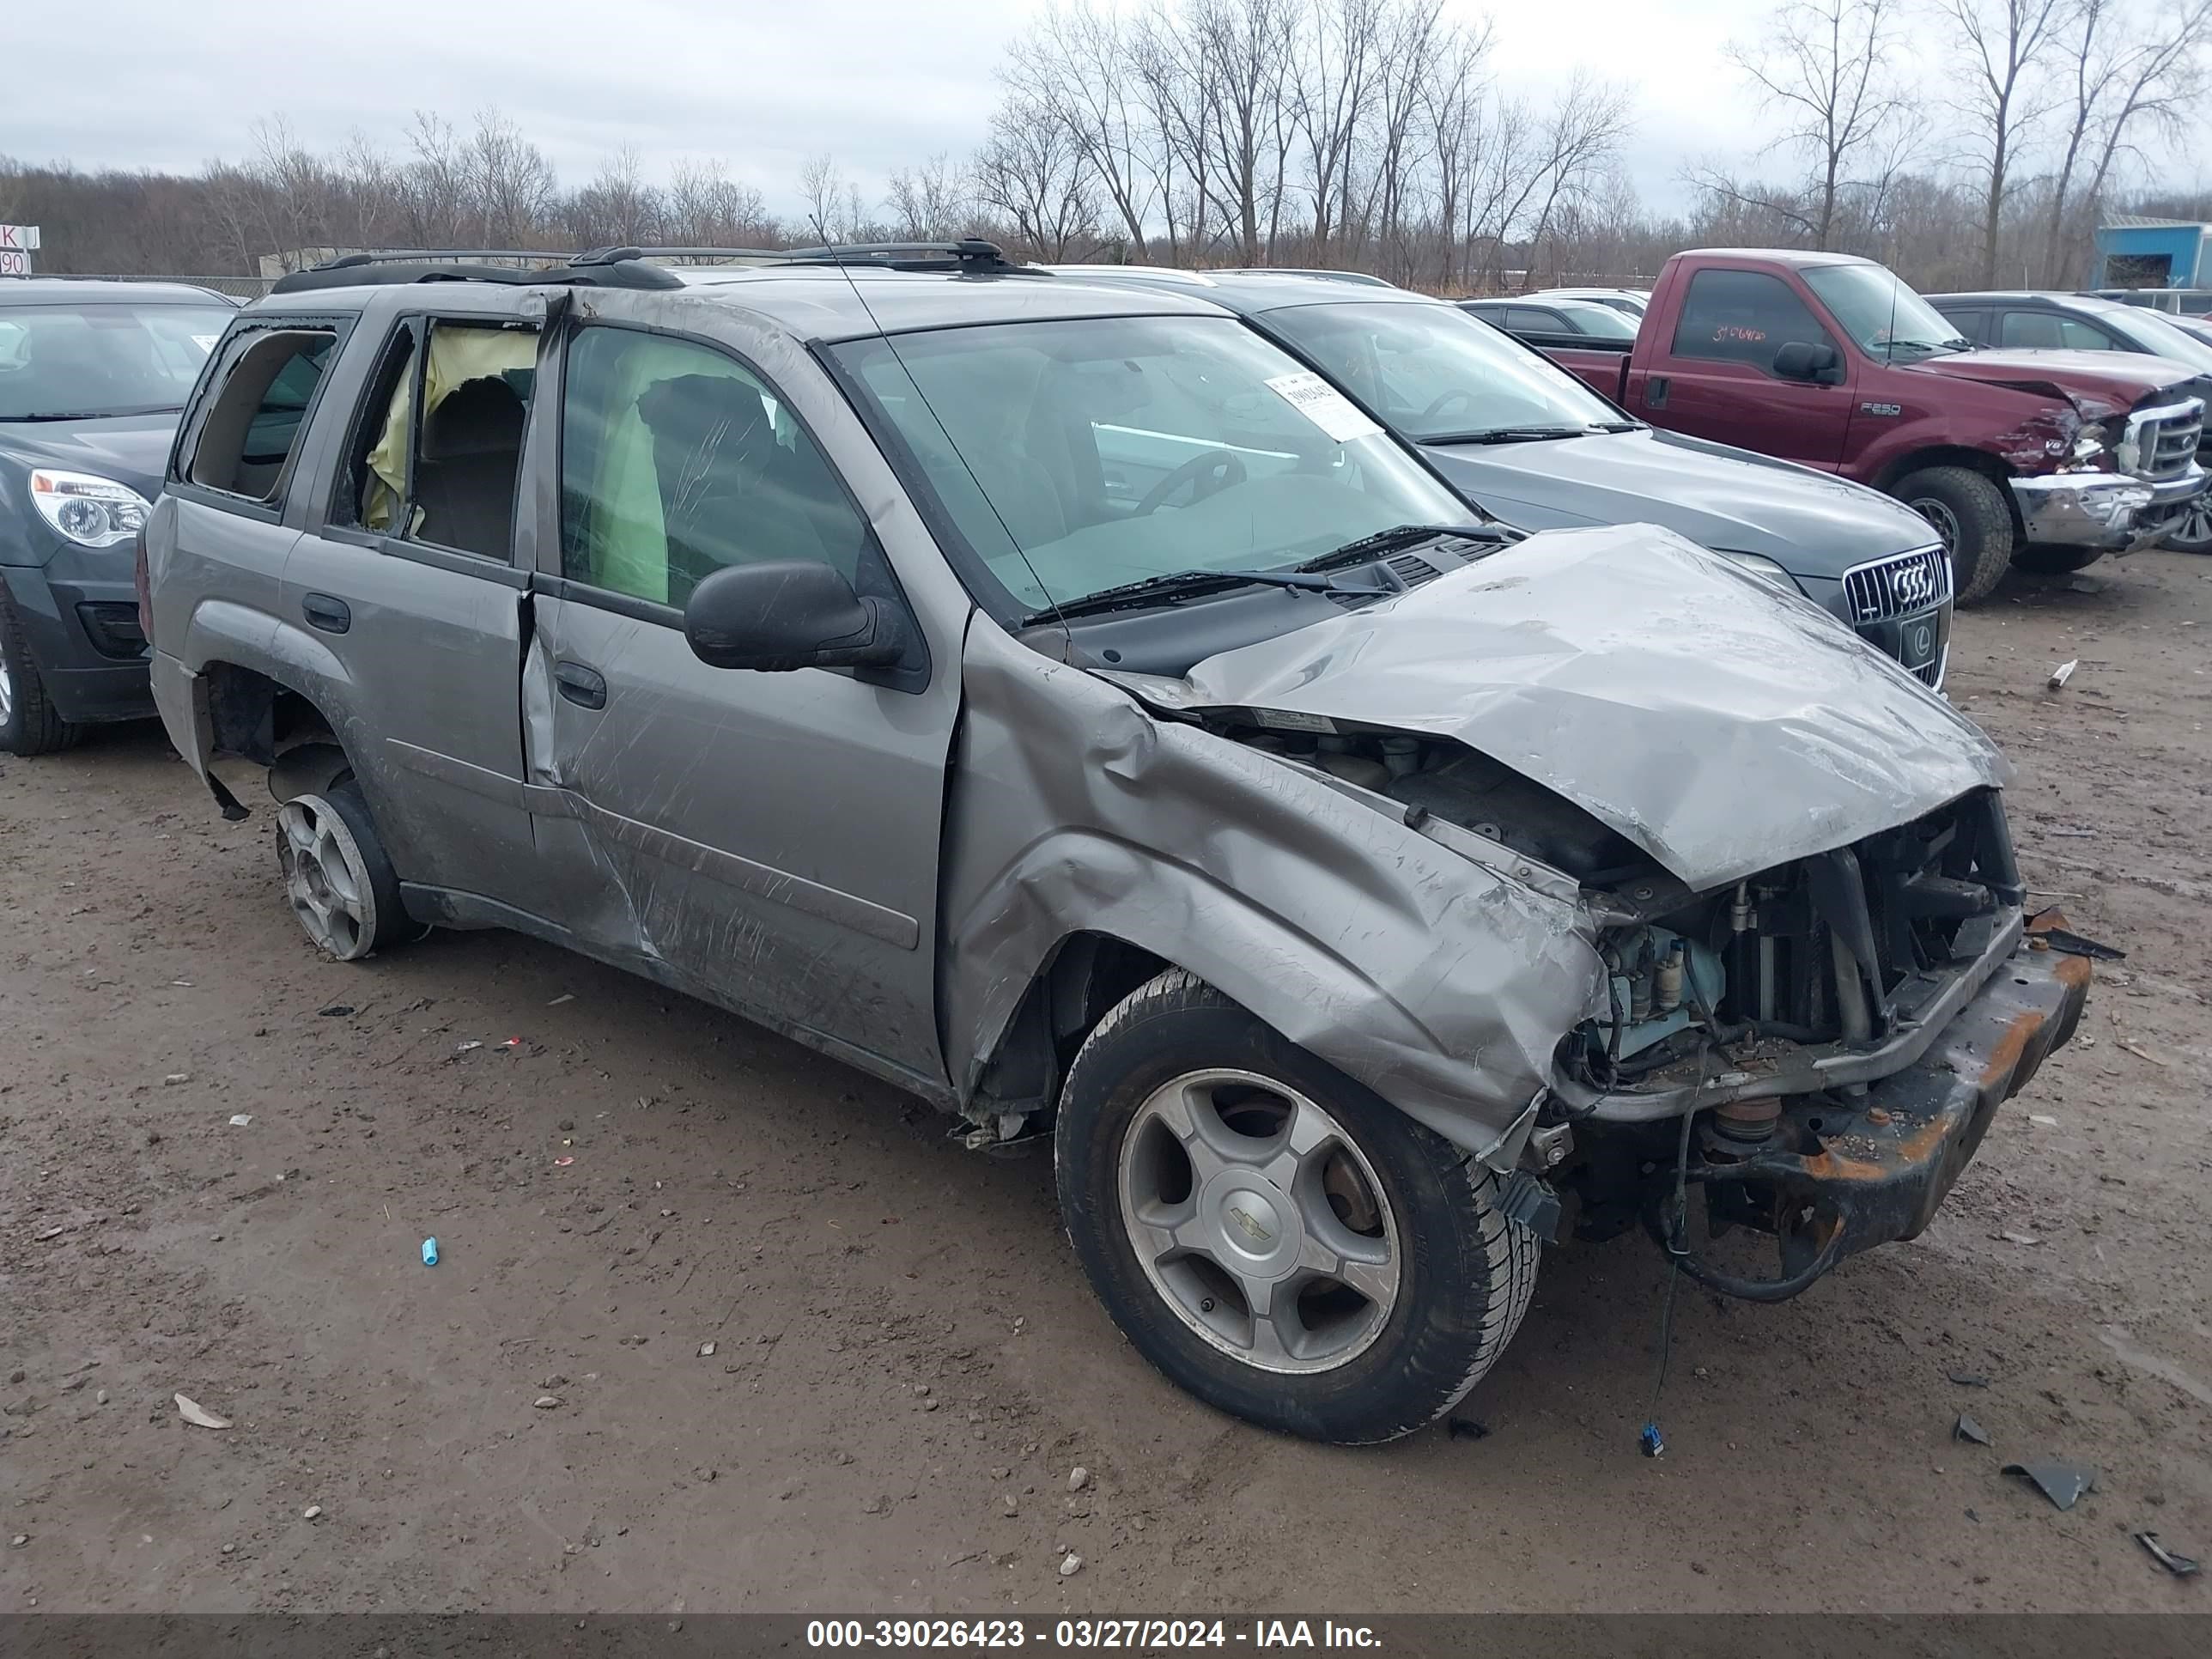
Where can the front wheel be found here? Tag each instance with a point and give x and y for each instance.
(1971, 518)
(1275, 1238)
(2192, 529)
(28, 722)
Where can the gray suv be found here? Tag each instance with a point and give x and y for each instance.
(1056, 700)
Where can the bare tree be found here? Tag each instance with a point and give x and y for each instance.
(1031, 170)
(1330, 87)
(1076, 67)
(928, 204)
(2004, 46)
(510, 185)
(1825, 65)
(2127, 68)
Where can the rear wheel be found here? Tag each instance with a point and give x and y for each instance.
(336, 877)
(1972, 519)
(1280, 1240)
(28, 724)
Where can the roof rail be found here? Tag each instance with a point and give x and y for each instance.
(968, 254)
(408, 255)
(445, 265)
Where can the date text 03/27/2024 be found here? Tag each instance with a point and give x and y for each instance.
(1133, 1635)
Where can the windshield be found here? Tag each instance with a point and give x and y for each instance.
(2159, 335)
(1078, 456)
(71, 361)
(1887, 319)
(1434, 373)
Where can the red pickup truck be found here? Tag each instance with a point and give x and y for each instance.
(2050, 457)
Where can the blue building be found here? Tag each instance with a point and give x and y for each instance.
(2137, 252)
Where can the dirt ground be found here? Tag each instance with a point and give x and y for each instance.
(906, 1361)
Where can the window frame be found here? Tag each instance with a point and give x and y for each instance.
(221, 363)
(874, 575)
(416, 326)
(1813, 313)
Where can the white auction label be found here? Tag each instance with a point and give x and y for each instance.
(1324, 406)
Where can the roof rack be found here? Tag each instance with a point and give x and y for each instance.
(450, 265)
(968, 254)
(626, 267)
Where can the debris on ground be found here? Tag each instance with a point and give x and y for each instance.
(563, 1162)
(2017, 1238)
(1650, 1441)
(567, 996)
(2063, 672)
(1966, 1429)
(2063, 1483)
(1070, 1565)
(2141, 1053)
(2043, 1120)
(1968, 1379)
(175, 1078)
(429, 1252)
(336, 1011)
(239, 1120)
(547, 1402)
(2181, 1566)
(1077, 1478)
(313, 1512)
(706, 1351)
(199, 1415)
(1467, 1428)
(469, 1047)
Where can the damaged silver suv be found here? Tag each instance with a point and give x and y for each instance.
(1050, 698)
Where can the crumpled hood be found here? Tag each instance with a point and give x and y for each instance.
(2097, 382)
(1719, 724)
(1809, 523)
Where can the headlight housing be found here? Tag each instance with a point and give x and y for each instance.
(89, 510)
(1761, 567)
(2092, 450)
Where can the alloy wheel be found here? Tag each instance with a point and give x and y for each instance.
(1945, 523)
(1259, 1221)
(325, 878)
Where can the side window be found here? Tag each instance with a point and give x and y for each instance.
(254, 423)
(1535, 320)
(1743, 317)
(447, 476)
(1972, 325)
(675, 462)
(2048, 330)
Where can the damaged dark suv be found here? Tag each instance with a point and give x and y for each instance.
(1050, 698)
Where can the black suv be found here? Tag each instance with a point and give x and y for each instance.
(92, 376)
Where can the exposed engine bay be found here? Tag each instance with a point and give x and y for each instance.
(1763, 1010)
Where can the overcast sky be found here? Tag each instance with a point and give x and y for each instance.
(879, 83)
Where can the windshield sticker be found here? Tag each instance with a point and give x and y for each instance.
(1324, 406)
(205, 342)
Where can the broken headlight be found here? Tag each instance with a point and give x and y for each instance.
(2092, 451)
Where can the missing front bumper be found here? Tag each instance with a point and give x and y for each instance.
(1841, 1174)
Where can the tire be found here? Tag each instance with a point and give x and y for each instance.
(1969, 513)
(1442, 1276)
(2191, 530)
(28, 724)
(337, 876)
(2056, 559)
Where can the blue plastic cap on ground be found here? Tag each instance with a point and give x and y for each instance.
(429, 1252)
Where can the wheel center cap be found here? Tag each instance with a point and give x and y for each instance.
(1255, 1222)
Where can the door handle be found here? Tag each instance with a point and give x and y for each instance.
(331, 616)
(585, 687)
(1655, 391)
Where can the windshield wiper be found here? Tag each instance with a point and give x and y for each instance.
(1370, 548)
(93, 414)
(1178, 583)
(1513, 435)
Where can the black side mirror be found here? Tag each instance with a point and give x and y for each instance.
(790, 613)
(1803, 360)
